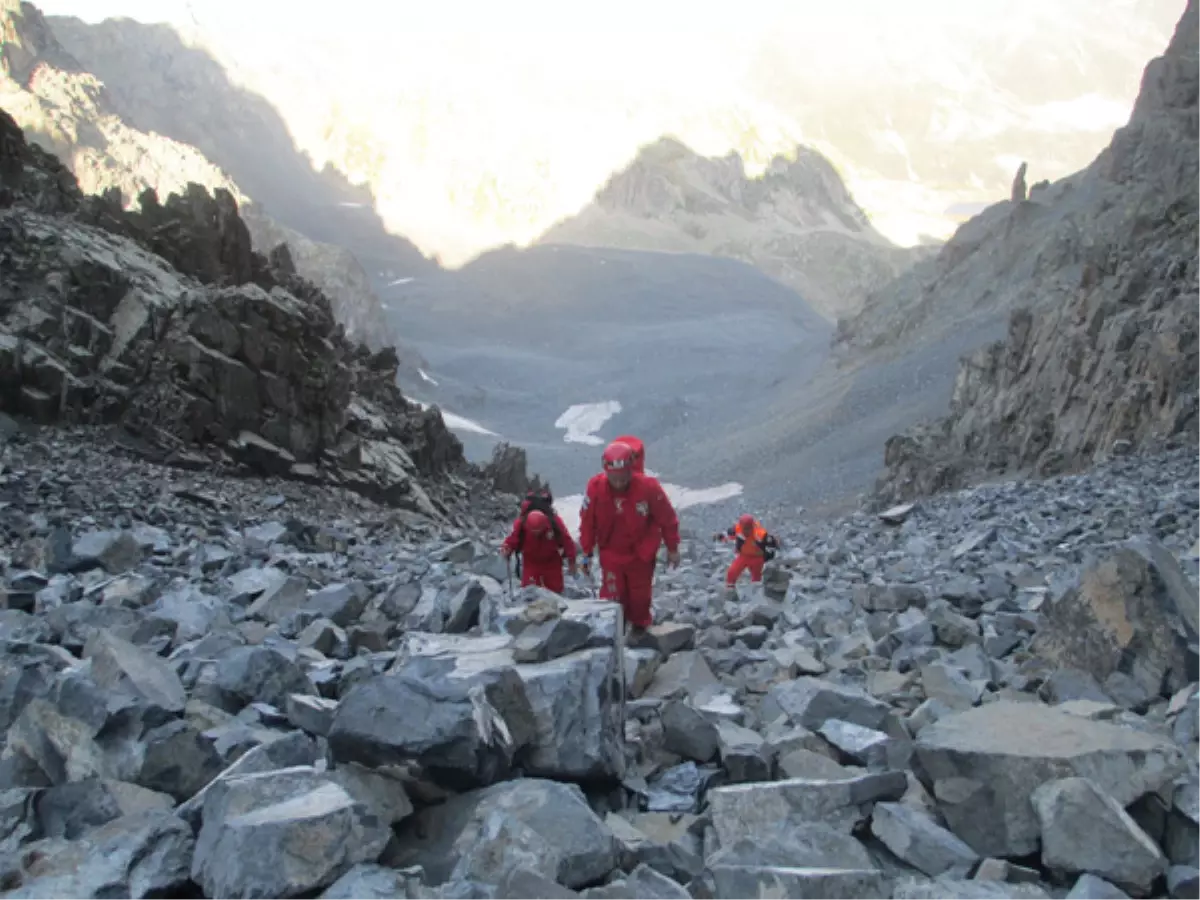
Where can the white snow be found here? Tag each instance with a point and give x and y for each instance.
(349, 205)
(399, 281)
(459, 423)
(681, 499)
(425, 377)
(583, 420)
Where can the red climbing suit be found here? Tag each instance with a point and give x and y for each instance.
(626, 527)
(639, 463)
(542, 554)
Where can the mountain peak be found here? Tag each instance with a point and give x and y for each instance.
(795, 221)
(26, 42)
(667, 177)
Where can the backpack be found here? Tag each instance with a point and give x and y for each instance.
(543, 501)
(768, 545)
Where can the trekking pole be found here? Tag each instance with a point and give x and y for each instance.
(508, 566)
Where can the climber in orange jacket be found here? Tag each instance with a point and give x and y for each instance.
(755, 547)
(544, 542)
(625, 515)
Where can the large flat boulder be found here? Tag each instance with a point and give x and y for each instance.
(983, 765)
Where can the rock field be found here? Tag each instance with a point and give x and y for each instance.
(240, 688)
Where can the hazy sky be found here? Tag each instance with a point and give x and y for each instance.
(663, 16)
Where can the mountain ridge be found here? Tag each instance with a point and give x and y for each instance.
(64, 106)
(1101, 352)
(796, 222)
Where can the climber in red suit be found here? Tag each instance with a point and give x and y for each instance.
(624, 516)
(639, 466)
(543, 542)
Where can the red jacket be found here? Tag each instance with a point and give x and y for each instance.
(628, 525)
(542, 549)
(639, 466)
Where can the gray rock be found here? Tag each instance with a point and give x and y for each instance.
(808, 845)
(866, 746)
(1121, 617)
(115, 551)
(312, 714)
(963, 889)
(1092, 887)
(543, 641)
(71, 810)
(764, 881)
(253, 823)
(574, 701)
(741, 752)
(918, 840)
(461, 724)
(342, 603)
(760, 810)
(983, 764)
(377, 789)
(118, 665)
(248, 674)
(147, 854)
(547, 818)
(810, 701)
(688, 733)
(178, 760)
(1183, 881)
(1086, 830)
(368, 881)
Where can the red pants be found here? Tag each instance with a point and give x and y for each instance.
(631, 585)
(740, 564)
(548, 576)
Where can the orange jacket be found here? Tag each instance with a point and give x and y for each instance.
(753, 545)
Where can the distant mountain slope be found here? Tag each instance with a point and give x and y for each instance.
(70, 112)
(681, 342)
(158, 83)
(797, 222)
(1101, 272)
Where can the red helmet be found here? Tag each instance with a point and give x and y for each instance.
(537, 522)
(639, 451)
(746, 523)
(617, 456)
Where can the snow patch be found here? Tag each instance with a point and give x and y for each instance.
(425, 377)
(681, 498)
(459, 423)
(397, 281)
(583, 420)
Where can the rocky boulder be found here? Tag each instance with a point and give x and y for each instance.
(220, 353)
(1101, 352)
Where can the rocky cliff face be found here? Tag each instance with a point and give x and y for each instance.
(166, 321)
(1101, 354)
(797, 222)
(69, 111)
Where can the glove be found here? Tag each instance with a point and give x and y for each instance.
(505, 552)
(585, 565)
(673, 559)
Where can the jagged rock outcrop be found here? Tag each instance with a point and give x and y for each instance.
(1101, 353)
(221, 352)
(797, 221)
(72, 113)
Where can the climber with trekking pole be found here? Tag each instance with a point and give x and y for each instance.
(625, 515)
(540, 541)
